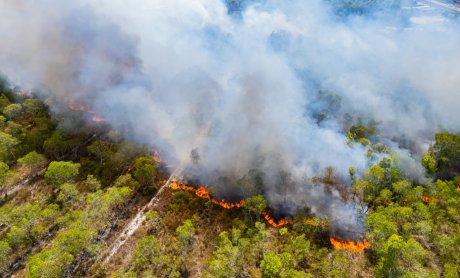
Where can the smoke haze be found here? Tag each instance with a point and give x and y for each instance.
(240, 89)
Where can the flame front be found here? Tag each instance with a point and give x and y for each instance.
(349, 245)
(83, 108)
(97, 119)
(271, 220)
(80, 107)
(203, 193)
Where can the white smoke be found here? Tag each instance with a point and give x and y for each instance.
(241, 91)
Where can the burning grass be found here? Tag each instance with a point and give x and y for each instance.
(74, 106)
(203, 193)
(349, 245)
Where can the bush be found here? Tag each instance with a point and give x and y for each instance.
(12, 111)
(60, 172)
(32, 161)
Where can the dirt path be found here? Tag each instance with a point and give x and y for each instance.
(137, 221)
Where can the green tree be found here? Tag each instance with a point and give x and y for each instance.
(49, 263)
(226, 260)
(429, 163)
(446, 152)
(60, 172)
(126, 181)
(2, 121)
(185, 233)
(56, 146)
(5, 251)
(7, 144)
(271, 265)
(68, 194)
(255, 205)
(91, 184)
(32, 161)
(145, 170)
(4, 170)
(33, 106)
(12, 111)
(146, 251)
(298, 247)
(76, 240)
(398, 258)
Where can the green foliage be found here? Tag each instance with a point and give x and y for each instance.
(450, 271)
(145, 170)
(56, 146)
(398, 258)
(60, 172)
(32, 161)
(12, 111)
(292, 273)
(446, 152)
(5, 251)
(68, 194)
(75, 240)
(298, 247)
(3, 173)
(185, 233)
(254, 205)
(226, 261)
(146, 252)
(2, 121)
(429, 163)
(33, 107)
(91, 184)
(127, 181)
(336, 265)
(359, 132)
(49, 263)
(271, 265)
(7, 144)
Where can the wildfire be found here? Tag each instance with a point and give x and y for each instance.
(427, 199)
(97, 119)
(271, 220)
(158, 160)
(203, 193)
(81, 107)
(349, 245)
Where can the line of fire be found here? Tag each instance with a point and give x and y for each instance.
(203, 192)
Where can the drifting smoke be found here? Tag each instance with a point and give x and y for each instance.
(233, 96)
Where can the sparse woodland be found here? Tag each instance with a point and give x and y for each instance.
(67, 193)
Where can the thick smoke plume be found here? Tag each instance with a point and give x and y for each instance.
(234, 96)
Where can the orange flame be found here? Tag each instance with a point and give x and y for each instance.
(158, 160)
(80, 107)
(427, 199)
(203, 193)
(349, 245)
(271, 220)
(97, 119)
